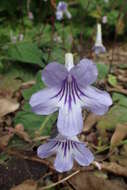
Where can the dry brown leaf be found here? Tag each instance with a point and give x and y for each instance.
(7, 106)
(19, 131)
(119, 134)
(4, 140)
(115, 168)
(28, 84)
(24, 135)
(120, 26)
(90, 121)
(26, 185)
(117, 89)
(22, 154)
(122, 78)
(88, 181)
(53, 3)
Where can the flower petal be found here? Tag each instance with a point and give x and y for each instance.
(82, 154)
(63, 163)
(47, 149)
(96, 100)
(85, 72)
(99, 49)
(53, 74)
(42, 102)
(70, 122)
(59, 15)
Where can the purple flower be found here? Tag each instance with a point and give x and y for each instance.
(61, 10)
(99, 47)
(69, 91)
(66, 150)
(62, 6)
(104, 19)
(30, 15)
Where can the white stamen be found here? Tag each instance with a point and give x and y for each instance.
(99, 35)
(69, 62)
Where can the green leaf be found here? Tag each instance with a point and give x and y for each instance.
(65, 34)
(121, 99)
(15, 74)
(117, 114)
(34, 124)
(112, 80)
(26, 52)
(95, 14)
(102, 70)
(38, 86)
(112, 17)
(57, 54)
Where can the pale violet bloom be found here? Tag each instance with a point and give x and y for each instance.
(21, 37)
(30, 15)
(99, 47)
(68, 90)
(61, 10)
(104, 19)
(67, 150)
(106, 1)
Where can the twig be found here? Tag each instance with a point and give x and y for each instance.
(41, 138)
(117, 89)
(61, 181)
(114, 168)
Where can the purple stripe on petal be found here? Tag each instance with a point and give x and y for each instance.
(73, 92)
(69, 145)
(65, 148)
(63, 90)
(66, 92)
(76, 90)
(46, 149)
(70, 99)
(71, 148)
(63, 145)
(60, 91)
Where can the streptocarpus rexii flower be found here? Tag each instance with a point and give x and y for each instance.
(66, 150)
(104, 19)
(99, 47)
(69, 91)
(61, 10)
